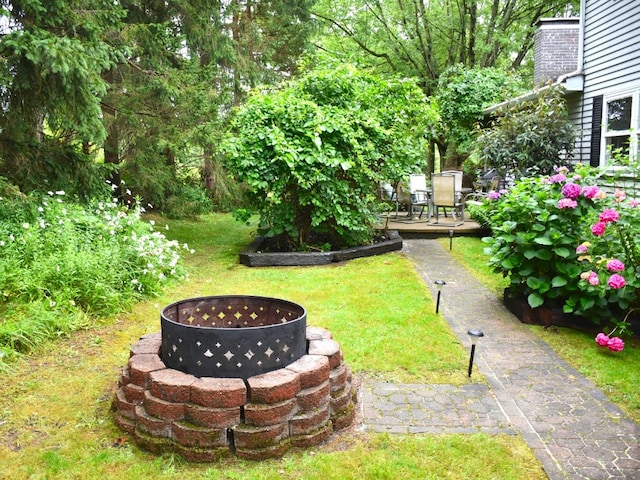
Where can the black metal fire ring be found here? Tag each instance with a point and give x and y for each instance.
(232, 336)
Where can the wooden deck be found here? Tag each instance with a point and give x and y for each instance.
(422, 229)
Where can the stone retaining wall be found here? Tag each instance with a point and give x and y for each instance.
(207, 418)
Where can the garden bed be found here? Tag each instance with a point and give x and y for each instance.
(549, 315)
(255, 256)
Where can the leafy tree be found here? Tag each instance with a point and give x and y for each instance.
(312, 152)
(530, 137)
(462, 96)
(421, 40)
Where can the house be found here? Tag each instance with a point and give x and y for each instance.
(596, 58)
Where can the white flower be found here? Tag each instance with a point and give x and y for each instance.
(60, 192)
(40, 209)
(25, 225)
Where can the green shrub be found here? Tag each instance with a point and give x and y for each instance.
(61, 263)
(313, 152)
(531, 137)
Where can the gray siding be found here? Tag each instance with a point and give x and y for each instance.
(611, 58)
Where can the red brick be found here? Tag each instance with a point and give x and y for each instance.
(123, 406)
(149, 344)
(193, 436)
(318, 333)
(134, 393)
(124, 377)
(340, 401)
(152, 444)
(152, 426)
(212, 417)
(313, 370)
(171, 385)
(140, 366)
(327, 347)
(202, 455)
(312, 398)
(157, 407)
(258, 454)
(344, 419)
(274, 387)
(250, 437)
(219, 392)
(338, 377)
(309, 422)
(125, 424)
(260, 414)
(315, 438)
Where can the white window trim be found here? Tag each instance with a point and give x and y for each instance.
(633, 132)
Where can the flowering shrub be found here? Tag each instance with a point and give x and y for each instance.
(564, 241)
(61, 263)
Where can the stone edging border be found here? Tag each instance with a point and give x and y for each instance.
(252, 257)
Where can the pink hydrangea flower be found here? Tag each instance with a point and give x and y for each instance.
(582, 248)
(591, 277)
(562, 169)
(493, 195)
(558, 178)
(598, 229)
(567, 203)
(590, 192)
(602, 339)
(615, 265)
(619, 195)
(616, 281)
(571, 190)
(615, 344)
(633, 203)
(609, 215)
(600, 195)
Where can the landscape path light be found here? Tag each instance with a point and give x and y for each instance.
(475, 335)
(439, 285)
(450, 239)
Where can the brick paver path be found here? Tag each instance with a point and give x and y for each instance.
(570, 425)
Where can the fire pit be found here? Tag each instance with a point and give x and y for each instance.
(236, 375)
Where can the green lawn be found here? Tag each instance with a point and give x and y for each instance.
(55, 418)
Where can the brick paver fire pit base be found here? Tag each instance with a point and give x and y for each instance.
(204, 419)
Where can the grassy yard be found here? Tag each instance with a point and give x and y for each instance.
(55, 419)
(616, 374)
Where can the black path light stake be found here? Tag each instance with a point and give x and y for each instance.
(450, 239)
(475, 335)
(439, 285)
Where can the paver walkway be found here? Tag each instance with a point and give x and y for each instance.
(570, 425)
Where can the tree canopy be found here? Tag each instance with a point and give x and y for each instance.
(424, 39)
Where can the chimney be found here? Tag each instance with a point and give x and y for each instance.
(556, 48)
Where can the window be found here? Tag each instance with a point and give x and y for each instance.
(620, 126)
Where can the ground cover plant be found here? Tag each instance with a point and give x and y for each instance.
(55, 419)
(615, 373)
(62, 263)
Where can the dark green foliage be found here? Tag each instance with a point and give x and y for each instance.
(312, 153)
(534, 136)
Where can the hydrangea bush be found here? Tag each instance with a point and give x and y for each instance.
(563, 240)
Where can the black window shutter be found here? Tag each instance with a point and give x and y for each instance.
(596, 131)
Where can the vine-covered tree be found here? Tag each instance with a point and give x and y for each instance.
(312, 153)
